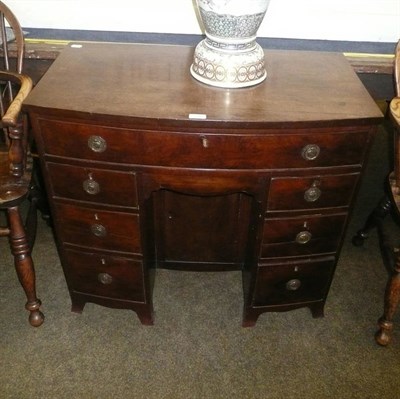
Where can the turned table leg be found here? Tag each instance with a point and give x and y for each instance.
(24, 265)
(392, 298)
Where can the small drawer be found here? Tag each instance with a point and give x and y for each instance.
(292, 283)
(312, 192)
(103, 275)
(300, 236)
(264, 149)
(93, 228)
(92, 184)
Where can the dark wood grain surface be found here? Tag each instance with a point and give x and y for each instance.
(153, 81)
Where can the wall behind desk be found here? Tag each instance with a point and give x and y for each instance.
(339, 20)
(370, 27)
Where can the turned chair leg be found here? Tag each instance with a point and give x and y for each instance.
(392, 299)
(24, 265)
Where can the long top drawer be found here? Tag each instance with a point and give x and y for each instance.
(313, 148)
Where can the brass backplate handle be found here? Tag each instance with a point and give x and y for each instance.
(91, 186)
(310, 152)
(293, 285)
(105, 278)
(97, 144)
(312, 194)
(303, 237)
(98, 230)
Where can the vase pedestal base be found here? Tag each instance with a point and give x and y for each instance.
(228, 69)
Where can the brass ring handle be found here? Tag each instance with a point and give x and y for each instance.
(91, 186)
(97, 144)
(293, 285)
(310, 152)
(98, 230)
(105, 278)
(312, 194)
(303, 237)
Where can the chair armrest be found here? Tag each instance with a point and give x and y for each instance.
(10, 118)
(395, 110)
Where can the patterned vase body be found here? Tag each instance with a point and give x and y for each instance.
(229, 56)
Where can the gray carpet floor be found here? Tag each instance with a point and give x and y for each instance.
(197, 347)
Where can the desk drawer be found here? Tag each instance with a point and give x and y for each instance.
(93, 228)
(107, 276)
(92, 184)
(268, 150)
(293, 282)
(289, 193)
(300, 236)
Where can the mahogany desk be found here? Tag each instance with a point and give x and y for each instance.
(145, 167)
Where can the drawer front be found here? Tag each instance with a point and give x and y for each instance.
(92, 184)
(93, 228)
(289, 193)
(202, 150)
(300, 236)
(106, 276)
(292, 283)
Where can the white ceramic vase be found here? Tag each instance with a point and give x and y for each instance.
(229, 56)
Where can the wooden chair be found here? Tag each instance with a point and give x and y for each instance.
(389, 204)
(12, 55)
(16, 162)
